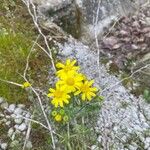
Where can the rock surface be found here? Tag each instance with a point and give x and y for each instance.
(124, 119)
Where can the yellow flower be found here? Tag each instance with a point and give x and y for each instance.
(26, 85)
(59, 95)
(71, 81)
(58, 118)
(86, 90)
(65, 68)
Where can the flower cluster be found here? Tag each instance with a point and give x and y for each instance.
(26, 85)
(60, 115)
(71, 81)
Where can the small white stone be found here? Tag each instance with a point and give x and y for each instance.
(10, 132)
(99, 139)
(4, 105)
(18, 120)
(16, 126)
(11, 107)
(7, 116)
(18, 111)
(21, 105)
(94, 147)
(29, 145)
(13, 136)
(22, 127)
(131, 147)
(2, 115)
(146, 146)
(8, 123)
(4, 146)
(147, 140)
(13, 115)
(27, 115)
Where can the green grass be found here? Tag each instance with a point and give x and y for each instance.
(17, 33)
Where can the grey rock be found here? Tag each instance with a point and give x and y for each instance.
(18, 120)
(8, 123)
(13, 115)
(10, 132)
(22, 127)
(27, 115)
(29, 145)
(13, 136)
(147, 140)
(4, 146)
(21, 105)
(94, 147)
(11, 107)
(4, 105)
(18, 111)
(7, 116)
(16, 126)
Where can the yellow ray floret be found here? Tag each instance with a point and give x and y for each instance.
(71, 81)
(65, 68)
(59, 96)
(86, 90)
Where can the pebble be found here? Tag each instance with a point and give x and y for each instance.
(22, 127)
(21, 105)
(4, 146)
(13, 136)
(18, 120)
(16, 126)
(94, 147)
(11, 108)
(8, 123)
(147, 140)
(131, 147)
(10, 132)
(4, 105)
(13, 115)
(29, 145)
(2, 115)
(7, 116)
(18, 111)
(27, 115)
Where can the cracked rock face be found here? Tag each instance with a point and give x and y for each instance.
(52, 8)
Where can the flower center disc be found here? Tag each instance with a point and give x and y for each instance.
(70, 81)
(58, 94)
(84, 88)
